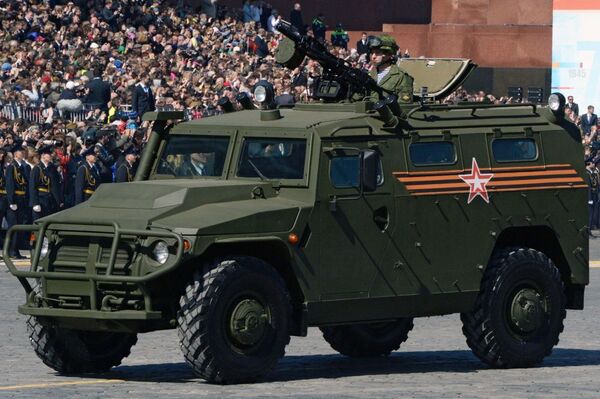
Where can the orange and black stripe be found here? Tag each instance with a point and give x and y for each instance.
(523, 178)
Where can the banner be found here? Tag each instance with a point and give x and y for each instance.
(576, 51)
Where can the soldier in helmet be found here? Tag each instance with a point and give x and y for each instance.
(386, 72)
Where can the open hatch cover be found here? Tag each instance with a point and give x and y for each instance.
(441, 76)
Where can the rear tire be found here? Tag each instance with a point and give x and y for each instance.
(75, 351)
(234, 321)
(370, 339)
(519, 312)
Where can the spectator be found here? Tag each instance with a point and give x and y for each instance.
(262, 50)
(209, 7)
(339, 37)
(362, 46)
(98, 91)
(588, 120)
(296, 19)
(319, 28)
(273, 21)
(69, 101)
(572, 105)
(143, 99)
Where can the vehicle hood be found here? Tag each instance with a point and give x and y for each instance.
(187, 206)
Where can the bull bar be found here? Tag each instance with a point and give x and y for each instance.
(93, 278)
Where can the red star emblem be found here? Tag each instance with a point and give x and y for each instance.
(477, 181)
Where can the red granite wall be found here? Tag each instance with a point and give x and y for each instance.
(494, 33)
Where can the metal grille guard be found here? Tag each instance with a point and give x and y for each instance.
(93, 278)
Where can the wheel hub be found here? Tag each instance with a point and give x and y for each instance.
(527, 310)
(248, 322)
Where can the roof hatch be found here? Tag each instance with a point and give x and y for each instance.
(441, 76)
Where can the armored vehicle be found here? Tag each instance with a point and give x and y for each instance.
(244, 229)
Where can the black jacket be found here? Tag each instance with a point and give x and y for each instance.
(86, 182)
(586, 124)
(296, 20)
(125, 173)
(262, 50)
(99, 93)
(362, 48)
(143, 100)
(16, 181)
(46, 179)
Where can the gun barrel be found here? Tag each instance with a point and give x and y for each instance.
(288, 30)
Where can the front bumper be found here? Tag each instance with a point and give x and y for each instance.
(86, 295)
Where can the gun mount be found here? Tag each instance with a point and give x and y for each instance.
(340, 81)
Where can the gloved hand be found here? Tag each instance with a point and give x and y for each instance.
(13, 207)
(37, 209)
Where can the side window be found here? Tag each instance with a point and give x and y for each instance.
(432, 153)
(511, 150)
(344, 172)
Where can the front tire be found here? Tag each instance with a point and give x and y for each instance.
(519, 312)
(369, 339)
(234, 321)
(75, 351)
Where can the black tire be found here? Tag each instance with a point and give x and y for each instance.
(210, 340)
(519, 312)
(370, 339)
(75, 351)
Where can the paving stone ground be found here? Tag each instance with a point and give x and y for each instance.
(435, 362)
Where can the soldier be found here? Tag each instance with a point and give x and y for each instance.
(126, 170)
(44, 188)
(388, 75)
(593, 181)
(16, 196)
(88, 178)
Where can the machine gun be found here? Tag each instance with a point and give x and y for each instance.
(340, 81)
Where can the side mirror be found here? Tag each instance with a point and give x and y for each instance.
(369, 165)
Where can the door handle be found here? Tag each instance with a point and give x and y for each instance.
(381, 217)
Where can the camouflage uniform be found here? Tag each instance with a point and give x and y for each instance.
(396, 81)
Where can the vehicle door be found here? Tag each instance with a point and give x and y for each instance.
(355, 228)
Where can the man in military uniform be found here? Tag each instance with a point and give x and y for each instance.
(16, 196)
(388, 75)
(87, 178)
(593, 185)
(126, 170)
(44, 189)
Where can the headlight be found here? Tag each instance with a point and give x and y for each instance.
(161, 252)
(556, 102)
(45, 248)
(260, 94)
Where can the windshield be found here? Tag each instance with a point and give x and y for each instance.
(190, 156)
(272, 158)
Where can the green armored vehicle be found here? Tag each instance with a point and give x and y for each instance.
(246, 228)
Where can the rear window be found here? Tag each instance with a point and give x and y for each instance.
(432, 153)
(512, 150)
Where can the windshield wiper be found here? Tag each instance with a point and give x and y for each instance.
(262, 177)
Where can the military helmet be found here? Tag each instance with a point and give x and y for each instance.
(384, 43)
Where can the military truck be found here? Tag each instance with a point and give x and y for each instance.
(244, 229)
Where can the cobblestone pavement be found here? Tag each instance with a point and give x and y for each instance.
(435, 362)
